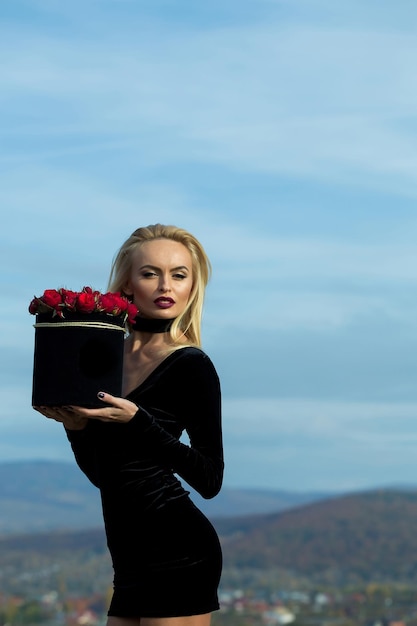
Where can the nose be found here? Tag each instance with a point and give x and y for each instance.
(164, 284)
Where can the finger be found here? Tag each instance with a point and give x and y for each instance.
(117, 402)
(65, 413)
(105, 411)
(120, 409)
(44, 410)
(54, 416)
(108, 398)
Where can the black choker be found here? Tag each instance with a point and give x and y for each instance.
(152, 325)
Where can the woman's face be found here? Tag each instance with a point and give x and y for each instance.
(160, 278)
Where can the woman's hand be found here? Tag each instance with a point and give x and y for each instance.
(65, 415)
(120, 409)
(76, 417)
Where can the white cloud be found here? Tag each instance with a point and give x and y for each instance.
(310, 444)
(352, 424)
(298, 99)
(67, 226)
(115, 117)
(275, 443)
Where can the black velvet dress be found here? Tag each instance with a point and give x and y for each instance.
(166, 554)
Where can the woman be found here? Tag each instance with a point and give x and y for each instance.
(166, 554)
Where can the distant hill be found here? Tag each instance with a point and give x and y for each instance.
(46, 495)
(349, 539)
(358, 537)
(42, 495)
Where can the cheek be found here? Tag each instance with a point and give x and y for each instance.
(189, 292)
(140, 292)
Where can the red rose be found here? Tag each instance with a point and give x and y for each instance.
(69, 298)
(86, 302)
(132, 311)
(120, 303)
(52, 298)
(107, 303)
(33, 306)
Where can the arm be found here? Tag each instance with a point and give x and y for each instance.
(195, 392)
(83, 449)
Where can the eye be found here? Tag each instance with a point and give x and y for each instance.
(148, 274)
(179, 276)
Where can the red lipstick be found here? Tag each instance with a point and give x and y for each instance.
(164, 303)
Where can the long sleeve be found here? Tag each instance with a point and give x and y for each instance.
(194, 393)
(81, 444)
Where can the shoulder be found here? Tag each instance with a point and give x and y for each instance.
(194, 371)
(191, 352)
(194, 359)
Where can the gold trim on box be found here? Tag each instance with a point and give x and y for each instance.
(103, 325)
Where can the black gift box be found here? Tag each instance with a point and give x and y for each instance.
(77, 357)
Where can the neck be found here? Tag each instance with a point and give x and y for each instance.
(152, 325)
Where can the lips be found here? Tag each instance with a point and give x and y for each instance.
(164, 303)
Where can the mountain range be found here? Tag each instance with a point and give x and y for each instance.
(356, 537)
(38, 496)
(342, 539)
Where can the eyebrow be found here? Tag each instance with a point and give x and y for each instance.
(173, 269)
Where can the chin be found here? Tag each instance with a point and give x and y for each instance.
(166, 314)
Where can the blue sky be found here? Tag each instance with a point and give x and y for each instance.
(283, 134)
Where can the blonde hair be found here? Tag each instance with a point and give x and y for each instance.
(189, 322)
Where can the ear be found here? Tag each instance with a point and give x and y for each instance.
(127, 289)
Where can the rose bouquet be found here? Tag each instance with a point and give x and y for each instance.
(61, 302)
(79, 345)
